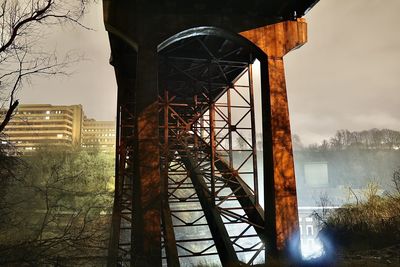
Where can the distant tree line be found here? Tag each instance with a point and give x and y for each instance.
(371, 223)
(353, 158)
(345, 139)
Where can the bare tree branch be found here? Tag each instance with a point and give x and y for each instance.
(8, 115)
(37, 15)
(23, 25)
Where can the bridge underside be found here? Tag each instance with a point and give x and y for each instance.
(188, 187)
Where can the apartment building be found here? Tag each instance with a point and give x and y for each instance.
(98, 134)
(37, 125)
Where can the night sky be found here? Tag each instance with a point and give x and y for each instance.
(346, 77)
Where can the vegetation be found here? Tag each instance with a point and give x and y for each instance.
(56, 209)
(345, 139)
(372, 223)
(353, 158)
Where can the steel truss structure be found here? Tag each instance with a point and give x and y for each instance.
(209, 162)
(120, 246)
(200, 135)
(188, 189)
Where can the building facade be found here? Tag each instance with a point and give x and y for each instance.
(36, 125)
(98, 135)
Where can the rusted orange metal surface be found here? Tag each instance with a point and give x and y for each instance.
(276, 41)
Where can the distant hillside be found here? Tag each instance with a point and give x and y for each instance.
(347, 160)
(345, 139)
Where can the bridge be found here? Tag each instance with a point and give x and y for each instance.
(185, 191)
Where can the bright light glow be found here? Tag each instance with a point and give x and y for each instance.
(311, 248)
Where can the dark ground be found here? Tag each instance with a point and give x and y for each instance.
(389, 256)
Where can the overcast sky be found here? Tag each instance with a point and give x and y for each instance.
(346, 77)
(348, 74)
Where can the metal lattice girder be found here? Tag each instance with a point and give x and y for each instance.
(120, 245)
(198, 174)
(221, 238)
(243, 193)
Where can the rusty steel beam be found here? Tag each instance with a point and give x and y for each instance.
(112, 257)
(169, 236)
(121, 223)
(219, 233)
(280, 190)
(243, 194)
(167, 225)
(211, 122)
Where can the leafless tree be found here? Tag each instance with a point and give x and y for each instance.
(322, 215)
(396, 180)
(23, 49)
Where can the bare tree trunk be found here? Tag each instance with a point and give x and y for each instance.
(9, 113)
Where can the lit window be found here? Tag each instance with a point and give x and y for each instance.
(310, 230)
(48, 112)
(47, 118)
(59, 135)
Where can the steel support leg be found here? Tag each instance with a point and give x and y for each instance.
(280, 186)
(121, 223)
(168, 229)
(146, 237)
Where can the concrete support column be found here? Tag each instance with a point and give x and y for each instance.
(146, 236)
(276, 41)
